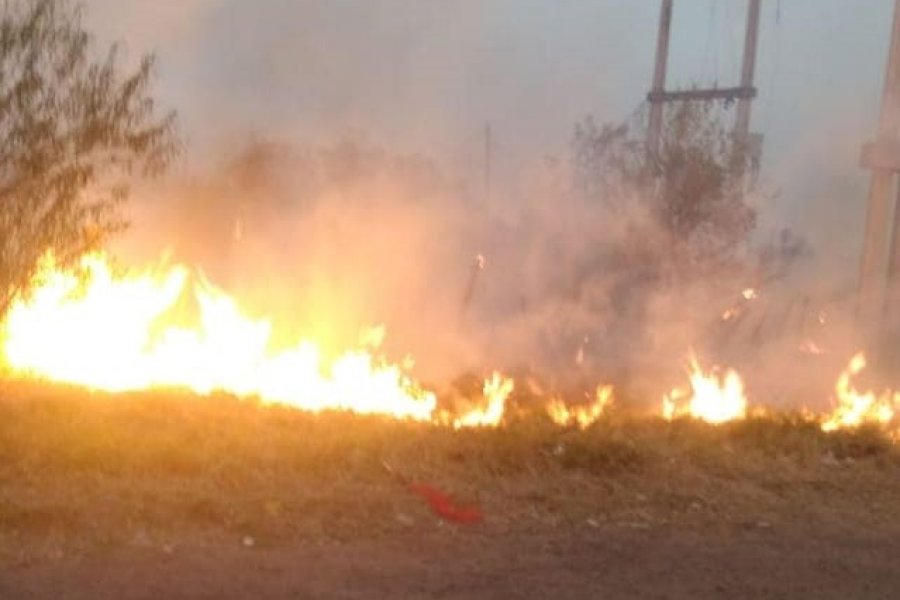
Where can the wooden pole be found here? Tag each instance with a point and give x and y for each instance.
(742, 121)
(873, 275)
(654, 128)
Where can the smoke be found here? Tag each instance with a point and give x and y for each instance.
(329, 239)
(328, 232)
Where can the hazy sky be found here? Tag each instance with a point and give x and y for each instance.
(427, 74)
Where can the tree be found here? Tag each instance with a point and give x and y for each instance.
(695, 186)
(674, 230)
(73, 131)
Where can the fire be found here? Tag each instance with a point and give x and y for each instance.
(496, 391)
(584, 415)
(167, 327)
(713, 397)
(123, 333)
(856, 408)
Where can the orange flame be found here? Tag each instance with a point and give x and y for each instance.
(584, 415)
(713, 398)
(118, 334)
(496, 391)
(855, 408)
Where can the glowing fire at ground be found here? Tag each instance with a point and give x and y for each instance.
(713, 397)
(856, 408)
(496, 390)
(124, 333)
(583, 415)
(119, 333)
(111, 332)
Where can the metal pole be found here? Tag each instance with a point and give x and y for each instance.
(654, 128)
(742, 122)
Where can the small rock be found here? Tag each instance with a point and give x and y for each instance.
(763, 524)
(168, 548)
(404, 519)
(641, 498)
(559, 449)
(592, 523)
(695, 505)
(248, 541)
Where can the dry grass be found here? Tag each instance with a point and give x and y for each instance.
(80, 471)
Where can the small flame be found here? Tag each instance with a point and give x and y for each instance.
(712, 398)
(855, 408)
(750, 294)
(584, 415)
(490, 414)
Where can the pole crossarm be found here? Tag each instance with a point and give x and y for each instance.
(743, 94)
(730, 93)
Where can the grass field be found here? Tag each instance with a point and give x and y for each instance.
(83, 472)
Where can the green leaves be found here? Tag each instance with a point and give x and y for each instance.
(73, 131)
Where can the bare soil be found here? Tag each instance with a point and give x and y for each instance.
(606, 562)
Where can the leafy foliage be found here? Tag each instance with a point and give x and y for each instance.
(73, 130)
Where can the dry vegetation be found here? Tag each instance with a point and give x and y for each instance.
(83, 472)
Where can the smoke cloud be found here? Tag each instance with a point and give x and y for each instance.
(334, 180)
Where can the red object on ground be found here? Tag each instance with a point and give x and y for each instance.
(444, 506)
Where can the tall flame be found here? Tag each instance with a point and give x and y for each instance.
(713, 397)
(119, 333)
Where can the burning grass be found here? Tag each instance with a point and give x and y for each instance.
(80, 471)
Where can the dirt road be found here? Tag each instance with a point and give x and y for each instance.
(607, 561)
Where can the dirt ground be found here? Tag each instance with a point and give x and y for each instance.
(601, 562)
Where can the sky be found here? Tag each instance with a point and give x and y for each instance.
(426, 75)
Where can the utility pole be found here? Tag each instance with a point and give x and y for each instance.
(744, 93)
(654, 128)
(742, 120)
(879, 274)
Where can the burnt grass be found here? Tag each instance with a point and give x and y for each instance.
(81, 472)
